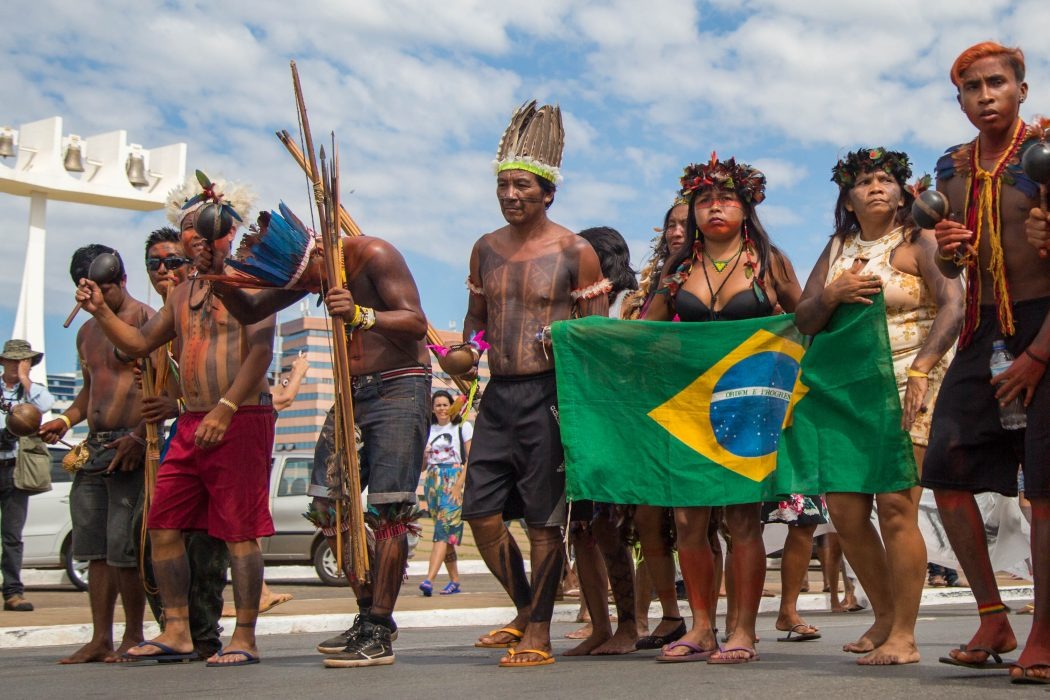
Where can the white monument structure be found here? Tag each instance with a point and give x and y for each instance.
(104, 170)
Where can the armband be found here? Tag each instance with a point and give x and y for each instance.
(473, 288)
(602, 286)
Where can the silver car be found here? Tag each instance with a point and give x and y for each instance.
(48, 540)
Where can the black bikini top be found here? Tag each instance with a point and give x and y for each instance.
(743, 304)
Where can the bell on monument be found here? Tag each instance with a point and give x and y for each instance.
(136, 169)
(7, 142)
(74, 161)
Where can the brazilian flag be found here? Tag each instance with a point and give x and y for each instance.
(691, 414)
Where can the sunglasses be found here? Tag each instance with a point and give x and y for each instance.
(170, 263)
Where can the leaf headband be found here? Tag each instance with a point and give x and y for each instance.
(748, 183)
(865, 160)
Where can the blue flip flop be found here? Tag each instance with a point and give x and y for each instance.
(248, 659)
(167, 654)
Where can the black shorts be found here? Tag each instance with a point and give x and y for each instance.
(517, 466)
(969, 450)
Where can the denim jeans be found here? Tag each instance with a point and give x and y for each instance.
(14, 505)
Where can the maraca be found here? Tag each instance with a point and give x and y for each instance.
(928, 208)
(1036, 164)
(104, 269)
(458, 361)
(23, 420)
(214, 220)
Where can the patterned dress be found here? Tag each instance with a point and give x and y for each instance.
(910, 310)
(444, 467)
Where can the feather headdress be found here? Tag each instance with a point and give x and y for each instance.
(275, 252)
(186, 199)
(533, 141)
(749, 183)
(866, 160)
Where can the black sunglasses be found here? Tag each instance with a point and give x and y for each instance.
(171, 263)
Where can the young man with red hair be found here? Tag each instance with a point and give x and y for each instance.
(1007, 298)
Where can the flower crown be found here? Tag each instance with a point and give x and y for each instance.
(749, 183)
(865, 160)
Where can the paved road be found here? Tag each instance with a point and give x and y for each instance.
(441, 663)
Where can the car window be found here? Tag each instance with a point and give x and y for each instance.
(58, 474)
(295, 477)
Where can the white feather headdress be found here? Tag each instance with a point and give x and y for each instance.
(239, 197)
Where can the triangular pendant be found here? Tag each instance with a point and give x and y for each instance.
(720, 264)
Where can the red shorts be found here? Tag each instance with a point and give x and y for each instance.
(224, 490)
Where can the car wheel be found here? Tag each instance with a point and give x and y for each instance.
(325, 565)
(76, 569)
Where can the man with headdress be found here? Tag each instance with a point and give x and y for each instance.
(1007, 297)
(390, 387)
(107, 488)
(523, 277)
(17, 357)
(168, 266)
(215, 475)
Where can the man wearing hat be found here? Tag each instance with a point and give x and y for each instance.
(17, 357)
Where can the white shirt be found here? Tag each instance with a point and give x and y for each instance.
(443, 443)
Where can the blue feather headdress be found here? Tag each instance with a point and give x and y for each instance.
(275, 252)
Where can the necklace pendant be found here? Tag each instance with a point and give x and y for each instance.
(720, 264)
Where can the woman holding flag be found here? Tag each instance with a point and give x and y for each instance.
(727, 270)
(877, 247)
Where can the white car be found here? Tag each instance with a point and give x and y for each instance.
(48, 541)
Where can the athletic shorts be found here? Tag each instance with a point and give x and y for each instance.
(223, 490)
(393, 416)
(517, 467)
(969, 449)
(102, 507)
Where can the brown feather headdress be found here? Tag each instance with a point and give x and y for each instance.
(533, 141)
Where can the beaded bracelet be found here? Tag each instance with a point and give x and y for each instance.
(228, 404)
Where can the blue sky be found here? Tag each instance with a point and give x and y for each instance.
(419, 94)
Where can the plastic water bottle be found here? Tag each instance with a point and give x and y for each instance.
(1012, 415)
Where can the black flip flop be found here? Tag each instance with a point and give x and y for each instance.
(166, 655)
(992, 662)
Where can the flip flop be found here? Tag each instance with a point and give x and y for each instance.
(992, 662)
(248, 659)
(167, 654)
(517, 634)
(1025, 679)
(659, 641)
(275, 600)
(793, 634)
(696, 653)
(752, 655)
(545, 658)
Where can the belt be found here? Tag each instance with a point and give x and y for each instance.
(108, 435)
(361, 380)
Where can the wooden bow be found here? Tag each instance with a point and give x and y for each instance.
(325, 184)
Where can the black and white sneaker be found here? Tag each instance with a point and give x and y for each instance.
(369, 647)
(337, 643)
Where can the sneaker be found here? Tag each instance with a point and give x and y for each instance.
(337, 643)
(427, 587)
(452, 587)
(369, 647)
(17, 603)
